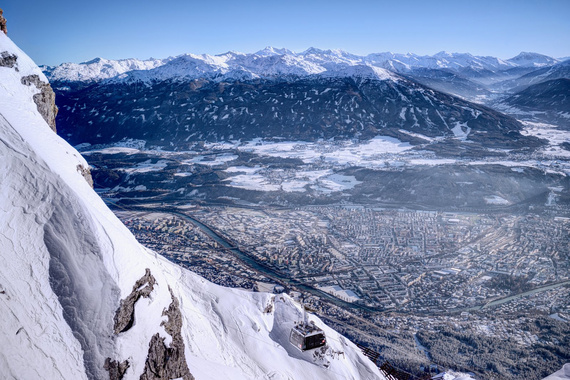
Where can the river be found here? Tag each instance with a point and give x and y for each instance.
(265, 270)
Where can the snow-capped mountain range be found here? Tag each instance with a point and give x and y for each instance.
(271, 62)
(80, 297)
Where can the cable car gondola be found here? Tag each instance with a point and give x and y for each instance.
(307, 336)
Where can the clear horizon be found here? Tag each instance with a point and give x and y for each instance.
(77, 32)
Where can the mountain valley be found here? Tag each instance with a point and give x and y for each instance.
(394, 192)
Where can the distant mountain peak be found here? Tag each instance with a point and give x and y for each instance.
(528, 54)
(270, 50)
(229, 52)
(92, 61)
(530, 59)
(313, 50)
(447, 54)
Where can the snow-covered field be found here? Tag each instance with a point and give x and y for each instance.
(215, 160)
(257, 178)
(496, 200)
(322, 162)
(250, 179)
(322, 158)
(553, 134)
(147, 166)
(341, 153)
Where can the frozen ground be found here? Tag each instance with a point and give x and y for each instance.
(553, 134)
(147, 166)
(342, 153)
(321, 163)
(258, 178)
(381, 153)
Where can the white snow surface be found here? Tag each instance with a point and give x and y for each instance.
(525, 59)
(496, 200)
(552, 133)
(100, 68)
(346, 152)
(461, 131)
(273, 62)
(451, 375)
(56, 233)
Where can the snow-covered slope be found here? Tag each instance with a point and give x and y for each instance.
(271, 62)
(67, 262)
(543, 74)
(99, 68)
(526, 59)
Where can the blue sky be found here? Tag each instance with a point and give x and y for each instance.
(52, 32)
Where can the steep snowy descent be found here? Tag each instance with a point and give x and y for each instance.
(68, 264)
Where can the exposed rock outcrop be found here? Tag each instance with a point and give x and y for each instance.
(116, 369)
(163, 363)
(86, 173)
(45, 99)
(8, 60)
(269, 307)
(125, 314)
(3, 23)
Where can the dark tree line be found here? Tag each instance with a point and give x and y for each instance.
(492, 358)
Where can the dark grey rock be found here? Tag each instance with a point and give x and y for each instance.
(86, 173)
(125, 314)
(164, 363)
(8, 60)
(155, 366)
(269, 307)
(116, 369)
(45, 99)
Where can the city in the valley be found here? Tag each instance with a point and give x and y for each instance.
(375, 272)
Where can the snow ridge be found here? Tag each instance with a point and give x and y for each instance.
(274, 62)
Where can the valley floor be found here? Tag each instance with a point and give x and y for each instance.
(396, 277)
(438, 255)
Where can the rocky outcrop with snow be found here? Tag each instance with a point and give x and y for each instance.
(69, 267)
(44, 98)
